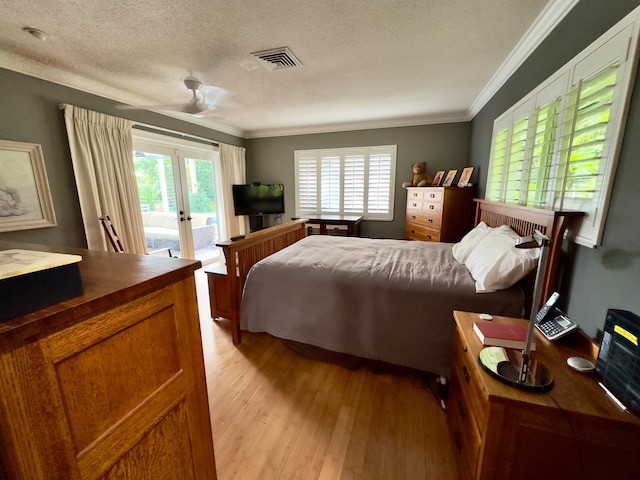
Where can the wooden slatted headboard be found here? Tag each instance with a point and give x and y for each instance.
(524, 221)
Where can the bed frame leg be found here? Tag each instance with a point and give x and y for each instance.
(236, 335)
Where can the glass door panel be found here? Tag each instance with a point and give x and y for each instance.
(178, 198)
(200, 212)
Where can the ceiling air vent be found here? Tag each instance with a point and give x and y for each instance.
(277, 58)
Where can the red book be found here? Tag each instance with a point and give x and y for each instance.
(507, 335)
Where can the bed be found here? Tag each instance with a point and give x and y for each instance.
(382, 304)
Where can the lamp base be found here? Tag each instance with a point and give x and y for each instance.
(505, 365)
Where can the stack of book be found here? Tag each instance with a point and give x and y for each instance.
(502, 335)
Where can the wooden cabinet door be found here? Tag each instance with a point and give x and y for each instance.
(121, 395)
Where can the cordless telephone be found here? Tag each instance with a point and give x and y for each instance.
(552, 322)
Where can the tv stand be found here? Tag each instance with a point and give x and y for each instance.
(256, 222)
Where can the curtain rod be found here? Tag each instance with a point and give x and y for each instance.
(154, 129)
(186, 136)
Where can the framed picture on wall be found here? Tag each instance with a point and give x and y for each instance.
(438, 178)
(25, 199)
(448, 181)
(465, 177)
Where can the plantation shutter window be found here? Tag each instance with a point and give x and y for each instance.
(498, 165)
(557, 148)
(346, 181)
(515, 161)
(354, 175)
(307, 183)
(380, 181)
(330, 194)
(585, 132)
(544, 140)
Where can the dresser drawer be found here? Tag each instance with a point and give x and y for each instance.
(466, 437)
(466, 370)
(433, 195)
(414, 231)
(416, 194)
(431, 220)
(432, 207)
(414, 205)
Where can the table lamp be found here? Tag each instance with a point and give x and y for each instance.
(515, 368)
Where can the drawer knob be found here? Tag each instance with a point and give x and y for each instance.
(430, 220)
(413, 217)
(431, 207)
(432, 195)
(457, 441)
(413, 231)
(466, 374)
(415, 204)
(429, 237)
(461, 409)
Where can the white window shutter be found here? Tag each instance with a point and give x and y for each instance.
(562, 154)
(346, 181)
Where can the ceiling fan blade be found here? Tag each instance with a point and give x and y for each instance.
(211, 95)
(176, 107)
(208, 115)
(203, 101)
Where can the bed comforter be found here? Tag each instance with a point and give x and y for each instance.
(386, 300)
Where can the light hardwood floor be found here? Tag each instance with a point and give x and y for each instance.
(278, 415)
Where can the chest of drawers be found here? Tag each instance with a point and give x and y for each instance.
(439, 214)
(572, 432)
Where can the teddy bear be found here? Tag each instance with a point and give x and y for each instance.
(421, 177)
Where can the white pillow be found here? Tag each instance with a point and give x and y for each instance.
(463, 248)
(495, 263)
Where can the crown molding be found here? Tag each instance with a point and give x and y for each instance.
(366, 125)
(547, 21)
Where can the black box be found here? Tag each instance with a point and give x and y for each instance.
(29, 292)
(618, 363)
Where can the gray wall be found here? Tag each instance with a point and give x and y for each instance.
(29, 113)
(608, 276)
(443, 147)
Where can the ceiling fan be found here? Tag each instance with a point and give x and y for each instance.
(204, 99)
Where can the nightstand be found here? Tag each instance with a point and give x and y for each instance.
(574, 431)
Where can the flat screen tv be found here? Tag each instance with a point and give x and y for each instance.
(258, 199)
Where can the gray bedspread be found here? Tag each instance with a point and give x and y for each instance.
(387, 300)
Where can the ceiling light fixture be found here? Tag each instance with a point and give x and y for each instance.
(39, 34)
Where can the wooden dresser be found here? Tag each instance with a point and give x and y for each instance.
(574, 431)
(439, 214)
(109, 384)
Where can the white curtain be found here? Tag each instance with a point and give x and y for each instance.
(102, 156)
(233, 168)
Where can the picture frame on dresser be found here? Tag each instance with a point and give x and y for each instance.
(465, 177)
(25, 198)
(438, 178)
(451, 175)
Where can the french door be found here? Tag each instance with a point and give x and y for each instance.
(180, 196)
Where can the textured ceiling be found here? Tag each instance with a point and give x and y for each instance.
(365, 63)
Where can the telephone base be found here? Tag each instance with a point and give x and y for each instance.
(505, 365)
